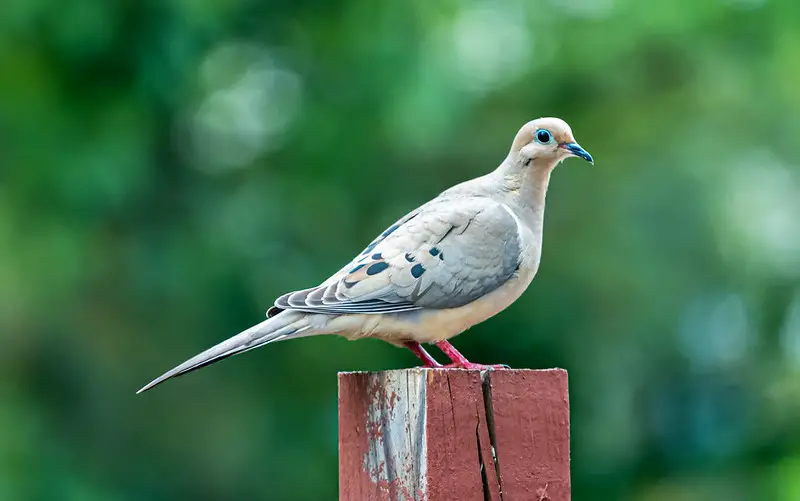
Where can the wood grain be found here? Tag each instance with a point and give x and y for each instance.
(452, 434)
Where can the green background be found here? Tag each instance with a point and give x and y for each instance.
(168, 167)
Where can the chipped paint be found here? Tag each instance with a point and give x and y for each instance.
(435, 434)
(396, 435)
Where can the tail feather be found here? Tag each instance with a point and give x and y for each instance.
(277, 328)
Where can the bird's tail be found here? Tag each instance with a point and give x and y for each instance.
(286, 325)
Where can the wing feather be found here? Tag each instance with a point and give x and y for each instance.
(444, 255)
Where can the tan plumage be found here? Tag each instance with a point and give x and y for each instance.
(453, 262)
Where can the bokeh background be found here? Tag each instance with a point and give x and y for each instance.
(168, 167)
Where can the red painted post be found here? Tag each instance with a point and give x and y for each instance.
(454, 435)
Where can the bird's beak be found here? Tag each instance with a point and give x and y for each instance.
(576, 150)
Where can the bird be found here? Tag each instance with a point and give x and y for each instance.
(453, 262)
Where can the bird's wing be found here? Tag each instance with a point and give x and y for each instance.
(443, 255)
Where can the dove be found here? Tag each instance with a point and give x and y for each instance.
(452, 263)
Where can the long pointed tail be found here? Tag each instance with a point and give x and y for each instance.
(280, 327)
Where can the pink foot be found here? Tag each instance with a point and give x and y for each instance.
(461, 362)
(419, 351)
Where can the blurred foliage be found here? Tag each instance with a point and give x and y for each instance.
(167, 168)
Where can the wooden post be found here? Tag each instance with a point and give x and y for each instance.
(454, 435)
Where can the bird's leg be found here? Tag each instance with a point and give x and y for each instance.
(423, 355)
(460, 361)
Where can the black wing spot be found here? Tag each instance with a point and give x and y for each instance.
(417, 270)
(376, 268)
(409, 257)
(434, 251)
(357, 268)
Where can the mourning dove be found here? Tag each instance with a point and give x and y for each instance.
(451, 263)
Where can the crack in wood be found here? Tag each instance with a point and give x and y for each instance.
(484, 481)
(452, 409)
(486, 386)
(396, 442)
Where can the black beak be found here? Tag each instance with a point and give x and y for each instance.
(576, 150)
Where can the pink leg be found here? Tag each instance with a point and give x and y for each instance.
(423, 355)
(460, 361)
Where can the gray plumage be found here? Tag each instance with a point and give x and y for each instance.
(477, 235)
(453, 262)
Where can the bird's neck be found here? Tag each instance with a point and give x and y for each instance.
(526, 188)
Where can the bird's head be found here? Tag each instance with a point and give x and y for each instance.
(546, 142)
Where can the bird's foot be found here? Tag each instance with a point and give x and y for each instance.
(461, 362)
(423, 355)
(475, 367)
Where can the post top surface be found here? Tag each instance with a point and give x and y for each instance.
(444, 370)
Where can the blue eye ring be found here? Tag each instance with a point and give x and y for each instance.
(543, 136)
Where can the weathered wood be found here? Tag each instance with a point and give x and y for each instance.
(452, 434)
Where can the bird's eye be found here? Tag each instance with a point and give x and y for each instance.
(544, 136)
